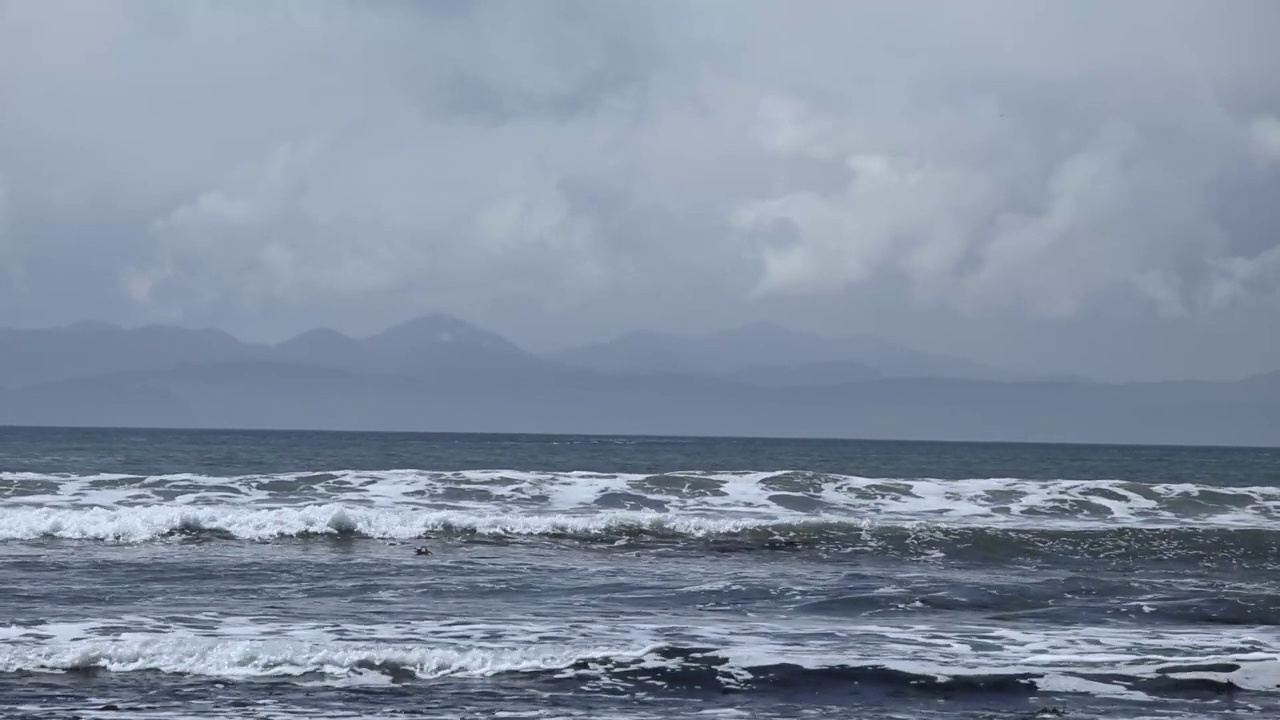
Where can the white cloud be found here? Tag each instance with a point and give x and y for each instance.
(978, 228)
(895, 214)
(1252, 280)
(345, 219)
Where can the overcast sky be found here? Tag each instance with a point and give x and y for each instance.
(1079, 186)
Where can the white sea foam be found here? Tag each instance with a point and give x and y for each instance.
(407, 503)
(135, 524)
(234, 658)
(343, 654)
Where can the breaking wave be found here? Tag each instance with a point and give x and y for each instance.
(655, 669)
(732, 510)
(638, 529)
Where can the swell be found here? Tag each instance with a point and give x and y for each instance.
(794, 495)
(713, 534)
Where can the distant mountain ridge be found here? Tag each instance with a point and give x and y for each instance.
(443, 374)
(748, 348)
(429, 343)
(760, 354)
(35, 356)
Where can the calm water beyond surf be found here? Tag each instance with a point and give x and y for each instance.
(164, 574)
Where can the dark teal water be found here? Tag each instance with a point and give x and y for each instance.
(154, 452)
(273, 574)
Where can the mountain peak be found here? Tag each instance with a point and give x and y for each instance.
(316, 337)
(438, 330)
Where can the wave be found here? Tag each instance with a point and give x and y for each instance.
(1246, 548)
(708, 670)
(725, 512)
(749, 655)
(782, 494)
(632, 528)
(247, 523)
(657, 668)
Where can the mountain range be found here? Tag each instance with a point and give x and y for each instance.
(439, 373)
(773, 355)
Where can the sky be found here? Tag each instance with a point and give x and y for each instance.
(1077, 187)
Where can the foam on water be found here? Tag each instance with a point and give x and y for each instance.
(137, 524)
(1098, 660)
(407, 503)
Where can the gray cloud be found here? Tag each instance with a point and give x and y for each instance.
(1265, 134)
(558, 170)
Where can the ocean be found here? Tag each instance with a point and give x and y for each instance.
(165, 574)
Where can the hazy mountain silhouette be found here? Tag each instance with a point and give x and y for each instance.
(34, 356)
(322, 346)
(440, 343)
(423, 346)
(442, 374)
(817, 374)
(752, 348)
(431, 345)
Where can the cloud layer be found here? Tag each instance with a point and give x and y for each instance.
(268, 166)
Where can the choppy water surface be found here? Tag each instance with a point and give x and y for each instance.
(273, 575)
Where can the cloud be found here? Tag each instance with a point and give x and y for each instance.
(269, 166)
(1126, 212)
(1265, 134)
(1245, 279)
(293, 228)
